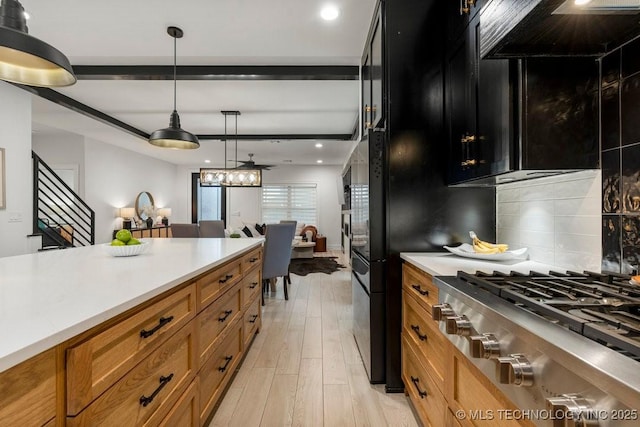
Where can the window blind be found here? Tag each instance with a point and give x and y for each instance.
(289, 201)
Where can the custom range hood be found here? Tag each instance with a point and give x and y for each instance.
(517, 28)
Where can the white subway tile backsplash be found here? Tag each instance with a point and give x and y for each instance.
(537, 238)
(577, 224)
(509, 208)
(557, 218)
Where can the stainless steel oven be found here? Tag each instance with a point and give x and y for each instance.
(565, 348)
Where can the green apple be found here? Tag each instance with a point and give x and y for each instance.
(123, 235)
(116, 242)
(133, 241)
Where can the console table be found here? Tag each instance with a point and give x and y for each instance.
(155, 231)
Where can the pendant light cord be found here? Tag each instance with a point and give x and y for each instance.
(175, 40)
(225, 142)
(236, 141)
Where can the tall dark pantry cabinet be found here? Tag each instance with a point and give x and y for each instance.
(409, 207)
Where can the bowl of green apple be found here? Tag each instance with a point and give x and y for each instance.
(125, 245)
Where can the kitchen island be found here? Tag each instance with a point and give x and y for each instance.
(105, 325)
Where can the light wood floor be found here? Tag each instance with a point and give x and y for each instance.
(304, 368)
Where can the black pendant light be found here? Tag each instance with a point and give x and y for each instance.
(174, 136)
(25, 59)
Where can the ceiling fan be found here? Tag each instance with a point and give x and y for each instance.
(250, 164)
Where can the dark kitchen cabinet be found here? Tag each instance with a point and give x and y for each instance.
(479, 108)
(372, 76)
(459, 14)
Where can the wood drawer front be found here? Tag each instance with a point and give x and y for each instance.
(252, 320)
(420, 285)
(252, 260)
(212, 285)
(164, 375)
(185, 412)
(214, 319)
(28, 391)
(423, 332)
(472, 391)
(96, 364)
(431, 405)
(251, 287)
(217, 371)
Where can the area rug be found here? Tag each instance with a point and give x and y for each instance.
(304, 266)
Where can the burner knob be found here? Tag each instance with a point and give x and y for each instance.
(458, 325)
(571, 410)
(441, 312)
(485, 346)
(515, 369)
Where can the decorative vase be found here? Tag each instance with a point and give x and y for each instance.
(149, 222)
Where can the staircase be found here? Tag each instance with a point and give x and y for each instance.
(60, 216)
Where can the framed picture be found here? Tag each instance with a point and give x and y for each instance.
(2, 179)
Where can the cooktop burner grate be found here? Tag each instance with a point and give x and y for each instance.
(602, 307)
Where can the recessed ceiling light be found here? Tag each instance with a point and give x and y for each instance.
(329, 12)
(318, 145)
(318, 161)
(581, 2)
(207, 161)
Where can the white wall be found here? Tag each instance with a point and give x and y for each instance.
(115, 176)
(557, 218)
(62, 149)
(15, 138)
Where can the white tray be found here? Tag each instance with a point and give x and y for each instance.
(466, 250)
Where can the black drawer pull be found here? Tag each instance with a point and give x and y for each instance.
(419, 289)
(144, 400)
(228, 360)
(226, 314)
(226, 278)
(253, 285)
(252, 260)
(415, 382)
(416, 329)
(163, 321)
(255, 317)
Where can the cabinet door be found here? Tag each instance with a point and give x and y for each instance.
(460, 100)
(376, 74)
(366, 93)
(459, 13)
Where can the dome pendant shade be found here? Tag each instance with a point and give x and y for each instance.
(174, 136)
(25, 59)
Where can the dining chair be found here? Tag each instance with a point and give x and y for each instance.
(277, 255)
(211, 228)
(184, 230)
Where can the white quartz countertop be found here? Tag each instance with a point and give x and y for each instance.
(448, 264)
(49, 297)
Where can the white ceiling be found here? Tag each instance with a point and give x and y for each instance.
(220, 32)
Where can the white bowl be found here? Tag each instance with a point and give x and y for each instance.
(127, 250)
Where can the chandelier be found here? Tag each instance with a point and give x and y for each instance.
(231, 177)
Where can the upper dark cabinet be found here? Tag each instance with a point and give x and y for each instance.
(459, 14)
(519, 28)
(372, 76)
(479, 109)
(511, 119)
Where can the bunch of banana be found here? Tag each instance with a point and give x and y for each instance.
(482, 247)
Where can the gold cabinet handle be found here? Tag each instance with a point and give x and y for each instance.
(367, 109)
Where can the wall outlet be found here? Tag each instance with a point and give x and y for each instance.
(15, 216)
(237, 213)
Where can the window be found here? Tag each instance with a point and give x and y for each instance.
(289, 201)
(207, 203)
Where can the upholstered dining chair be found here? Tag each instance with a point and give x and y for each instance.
(277, 255)
(184, 230)
(214, 228)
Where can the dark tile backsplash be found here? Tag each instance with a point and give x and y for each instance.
(611, 181)
(620, 139)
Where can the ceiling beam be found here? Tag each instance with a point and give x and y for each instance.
(216, 72)
(258, 137)
(84, 109)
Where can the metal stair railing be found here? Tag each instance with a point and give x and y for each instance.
(59, 214)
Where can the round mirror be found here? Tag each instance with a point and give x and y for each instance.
(144, 205)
